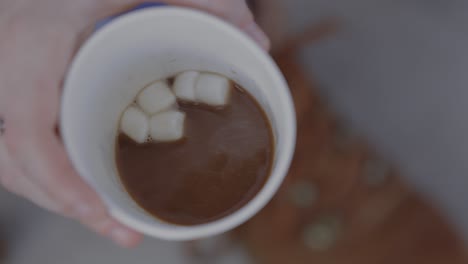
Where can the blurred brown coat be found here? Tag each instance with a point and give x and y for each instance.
(383, 223)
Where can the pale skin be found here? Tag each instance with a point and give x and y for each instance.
(38, 41)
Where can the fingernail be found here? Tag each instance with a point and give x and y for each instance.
(257, 34)
(121, 236)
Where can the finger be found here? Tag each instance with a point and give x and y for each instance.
(12, 180)
(236, 12)
(23, 187)
(44, 161)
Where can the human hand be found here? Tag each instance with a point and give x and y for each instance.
(39, 38)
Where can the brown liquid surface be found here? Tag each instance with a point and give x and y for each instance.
(220, 165)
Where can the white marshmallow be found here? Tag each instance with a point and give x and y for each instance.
(212, 89)
(156, 98)
(135, 124)
(184, 85)
(167, 126)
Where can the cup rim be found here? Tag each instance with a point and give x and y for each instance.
(283, 159)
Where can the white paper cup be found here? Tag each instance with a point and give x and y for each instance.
(137, 49)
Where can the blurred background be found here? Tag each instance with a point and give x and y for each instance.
(348, 62)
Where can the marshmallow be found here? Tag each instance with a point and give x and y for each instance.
(184, 85)
(212, 89)
(167, 126)
(156, 98)
(134, 123)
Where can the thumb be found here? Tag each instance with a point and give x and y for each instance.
(234, 11)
